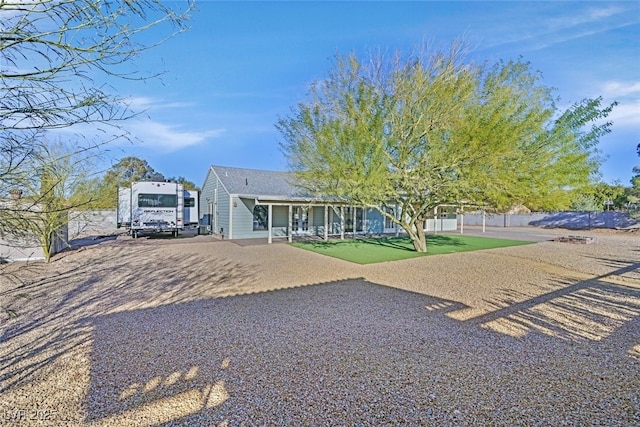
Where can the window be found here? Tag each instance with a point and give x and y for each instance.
(260, 217)
(388, 222)
(189, 202)
(157, 201)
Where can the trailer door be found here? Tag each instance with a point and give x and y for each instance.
(180, 208)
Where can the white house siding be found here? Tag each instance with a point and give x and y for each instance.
(213, 192)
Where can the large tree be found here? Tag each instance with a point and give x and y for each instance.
(414, 133)
(104, 189)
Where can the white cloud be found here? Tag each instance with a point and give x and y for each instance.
(167, 138)
(163, 135)
(627, 93)
(141, 103)
(568, 27)
(612, 89)
(626, 115)
(588, 16)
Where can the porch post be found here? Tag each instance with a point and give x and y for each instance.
(435, 220)
(289, 225)
(342, 222)
(353, 220)
(270, 221)
(326, 222)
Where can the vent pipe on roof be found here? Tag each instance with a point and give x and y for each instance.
(246, 181)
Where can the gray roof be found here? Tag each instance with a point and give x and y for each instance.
(260, 184)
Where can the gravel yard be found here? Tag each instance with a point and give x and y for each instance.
(198, 331)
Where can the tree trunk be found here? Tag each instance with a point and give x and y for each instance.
(415, 231)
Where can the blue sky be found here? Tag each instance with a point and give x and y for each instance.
(242, 65)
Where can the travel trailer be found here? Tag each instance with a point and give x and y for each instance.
(155, 207)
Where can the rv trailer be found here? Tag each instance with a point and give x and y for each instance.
(154, 207)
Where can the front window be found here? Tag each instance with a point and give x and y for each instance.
(388, 222)
(260, 217)
(157, 201)
(189, 202)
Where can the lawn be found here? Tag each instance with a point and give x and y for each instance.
(381, 249)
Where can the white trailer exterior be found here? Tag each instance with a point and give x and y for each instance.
(152, 207)
(191, 208)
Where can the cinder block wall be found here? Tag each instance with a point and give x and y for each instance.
(569, 220)
(21, 248)
(98, 222)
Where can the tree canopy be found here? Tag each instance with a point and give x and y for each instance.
(409, 134)
(103, 190)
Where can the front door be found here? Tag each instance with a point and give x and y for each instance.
(353, 216)
(300, 220)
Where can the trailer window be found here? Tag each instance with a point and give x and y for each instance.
(157, 200)
(189, 202)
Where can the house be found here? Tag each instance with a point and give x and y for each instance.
(248, 203)
(239, 203)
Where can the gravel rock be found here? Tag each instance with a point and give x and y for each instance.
(198, 331)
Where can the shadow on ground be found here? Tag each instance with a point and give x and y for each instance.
(183, 341)
(354, 352)
(34, 339)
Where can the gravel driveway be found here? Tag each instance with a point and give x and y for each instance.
(198, 331)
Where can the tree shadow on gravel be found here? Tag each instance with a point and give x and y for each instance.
(41, 332)
(593, 310)
(351, 352)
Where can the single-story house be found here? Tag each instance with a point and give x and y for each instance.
(239, 203)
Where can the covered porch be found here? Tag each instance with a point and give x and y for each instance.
(289, 219)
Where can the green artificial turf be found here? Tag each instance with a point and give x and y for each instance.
(381, 249)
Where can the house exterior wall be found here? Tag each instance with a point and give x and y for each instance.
(280, 221)
(316, 225)
(242, 213)
(243, 220)
(214, 197)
